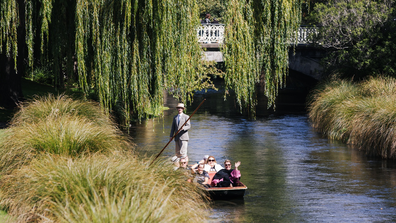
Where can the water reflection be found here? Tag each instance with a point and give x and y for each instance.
(293, 174)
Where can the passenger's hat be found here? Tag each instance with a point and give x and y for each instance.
(175, 159)
(180, 105)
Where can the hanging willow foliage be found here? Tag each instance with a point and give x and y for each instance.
(140, 49)
(257, 40)
(129, 52)
(8, 28)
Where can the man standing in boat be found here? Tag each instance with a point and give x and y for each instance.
(181, 139)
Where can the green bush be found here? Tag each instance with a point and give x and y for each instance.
(42, 75)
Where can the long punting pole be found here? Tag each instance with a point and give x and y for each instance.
(177, 132)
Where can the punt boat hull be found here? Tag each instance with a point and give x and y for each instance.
(227, 192)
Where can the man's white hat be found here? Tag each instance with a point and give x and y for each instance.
(180, 105)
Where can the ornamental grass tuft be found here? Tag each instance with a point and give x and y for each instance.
(65, 161)
(41, 108)
(58, 126)
(100, 188)
(362, 114)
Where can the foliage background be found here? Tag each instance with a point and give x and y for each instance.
(359, 37)
(129, 52)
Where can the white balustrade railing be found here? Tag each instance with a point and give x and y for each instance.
(211, 33)
(305, 35)
(214, 33)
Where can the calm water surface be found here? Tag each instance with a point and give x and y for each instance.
(293, 174)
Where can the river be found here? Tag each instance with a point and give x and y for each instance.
(293, 174)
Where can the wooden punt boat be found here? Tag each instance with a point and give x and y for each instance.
(226, 192)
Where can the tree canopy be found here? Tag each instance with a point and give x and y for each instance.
(129, 52)
(359, 36)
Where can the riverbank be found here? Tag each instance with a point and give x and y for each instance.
(361, 114)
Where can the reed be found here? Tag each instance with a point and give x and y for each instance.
(362, 114)
(100, 188)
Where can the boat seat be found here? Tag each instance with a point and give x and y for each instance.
(211, 175)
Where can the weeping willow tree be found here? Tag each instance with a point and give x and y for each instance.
(128, 52)
(141, 49)
(257, 40)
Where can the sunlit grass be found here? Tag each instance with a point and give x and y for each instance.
(361, 114)
(49, 106)
(65, 161)
(57, 125)
(99, 188)
(2, 133)
(4, 217)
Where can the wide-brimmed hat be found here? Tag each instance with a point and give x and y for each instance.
(175, 159)
(180, 105)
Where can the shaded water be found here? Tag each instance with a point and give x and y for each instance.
(293, 174)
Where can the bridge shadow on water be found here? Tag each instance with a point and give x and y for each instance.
(291, 99)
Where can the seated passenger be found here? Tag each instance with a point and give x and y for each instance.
(201, 176)
(227, 177)
(212, 166)
(175, 160)
(183, 164)
(203, 161)
(185, 169)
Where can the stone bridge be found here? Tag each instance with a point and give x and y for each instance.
(303, 59)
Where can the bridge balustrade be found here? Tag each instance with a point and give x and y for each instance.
(211, 33)
(214, 33)
(305, 35)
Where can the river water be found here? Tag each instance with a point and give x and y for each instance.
(293, 174)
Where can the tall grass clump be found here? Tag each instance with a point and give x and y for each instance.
(65, 161)
(362, 114)
(99, 188)
(48, 106)
(58, 125)
(326, 102)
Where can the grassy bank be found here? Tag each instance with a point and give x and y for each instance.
(63, 160)
(362, 114)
